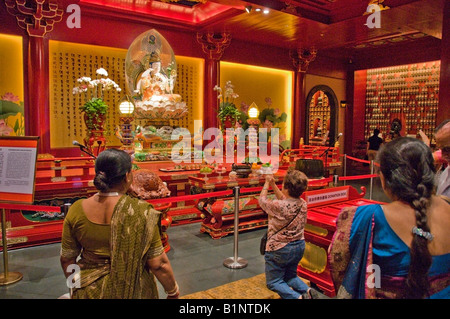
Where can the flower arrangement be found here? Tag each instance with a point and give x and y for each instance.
(227, 109)
(271, 117)
(95, 107)
(242, 120)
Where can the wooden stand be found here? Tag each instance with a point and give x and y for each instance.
(11, 147)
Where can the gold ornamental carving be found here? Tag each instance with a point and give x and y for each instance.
(301, 58)
(214, 44)
(35, 16)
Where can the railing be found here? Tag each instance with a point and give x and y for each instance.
(7, 277)
(371, 175)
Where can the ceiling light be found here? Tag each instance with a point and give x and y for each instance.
(257, 9)
(248, 9)
(266, 11)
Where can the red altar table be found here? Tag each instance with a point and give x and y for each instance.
(218, 212)
(181, 212)
(62, 181)
(323, 208)
(218, 215)
(64, 178)
(215, 183)
(22, 231)
(59, 181)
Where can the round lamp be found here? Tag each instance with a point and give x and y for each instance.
(126, 107)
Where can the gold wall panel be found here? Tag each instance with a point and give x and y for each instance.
(255, 84)
(70, 61)
(12, 117)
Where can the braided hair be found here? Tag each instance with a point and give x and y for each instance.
(111, 167)
(408, 167)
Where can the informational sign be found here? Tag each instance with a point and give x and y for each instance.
(18, 156)
(325, 196)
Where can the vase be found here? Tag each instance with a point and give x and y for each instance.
(94, 123)
(228, 122)
(95, 140)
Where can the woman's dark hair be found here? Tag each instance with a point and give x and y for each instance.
(295, 182)
(111, 166)
(408, 167)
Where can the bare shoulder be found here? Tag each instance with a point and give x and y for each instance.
(441, 208)
(440, 211)
(439, 222)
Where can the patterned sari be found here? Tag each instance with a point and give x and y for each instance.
(364, 239)
(123, 275)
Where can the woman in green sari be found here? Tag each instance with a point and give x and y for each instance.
(111, 246)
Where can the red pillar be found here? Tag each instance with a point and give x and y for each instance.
(213, 45)
(37, 18)
(350, 91)
(301, 59)
(37, 117)
(299, 110)
(443, 111)
(212, 78)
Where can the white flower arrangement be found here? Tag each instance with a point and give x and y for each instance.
(227, 108)
(102, 71)
(229, 95)
(95, 107)
(98, 86)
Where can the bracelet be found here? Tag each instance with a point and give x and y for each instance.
(174, 296)
(174, 291)
(265, 188)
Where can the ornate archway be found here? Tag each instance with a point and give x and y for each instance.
(321, 103)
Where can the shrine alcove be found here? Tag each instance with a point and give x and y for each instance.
(321, 116)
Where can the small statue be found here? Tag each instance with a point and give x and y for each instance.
(153, 82)
(148, 185)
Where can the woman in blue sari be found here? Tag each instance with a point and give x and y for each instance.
(401, 249)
